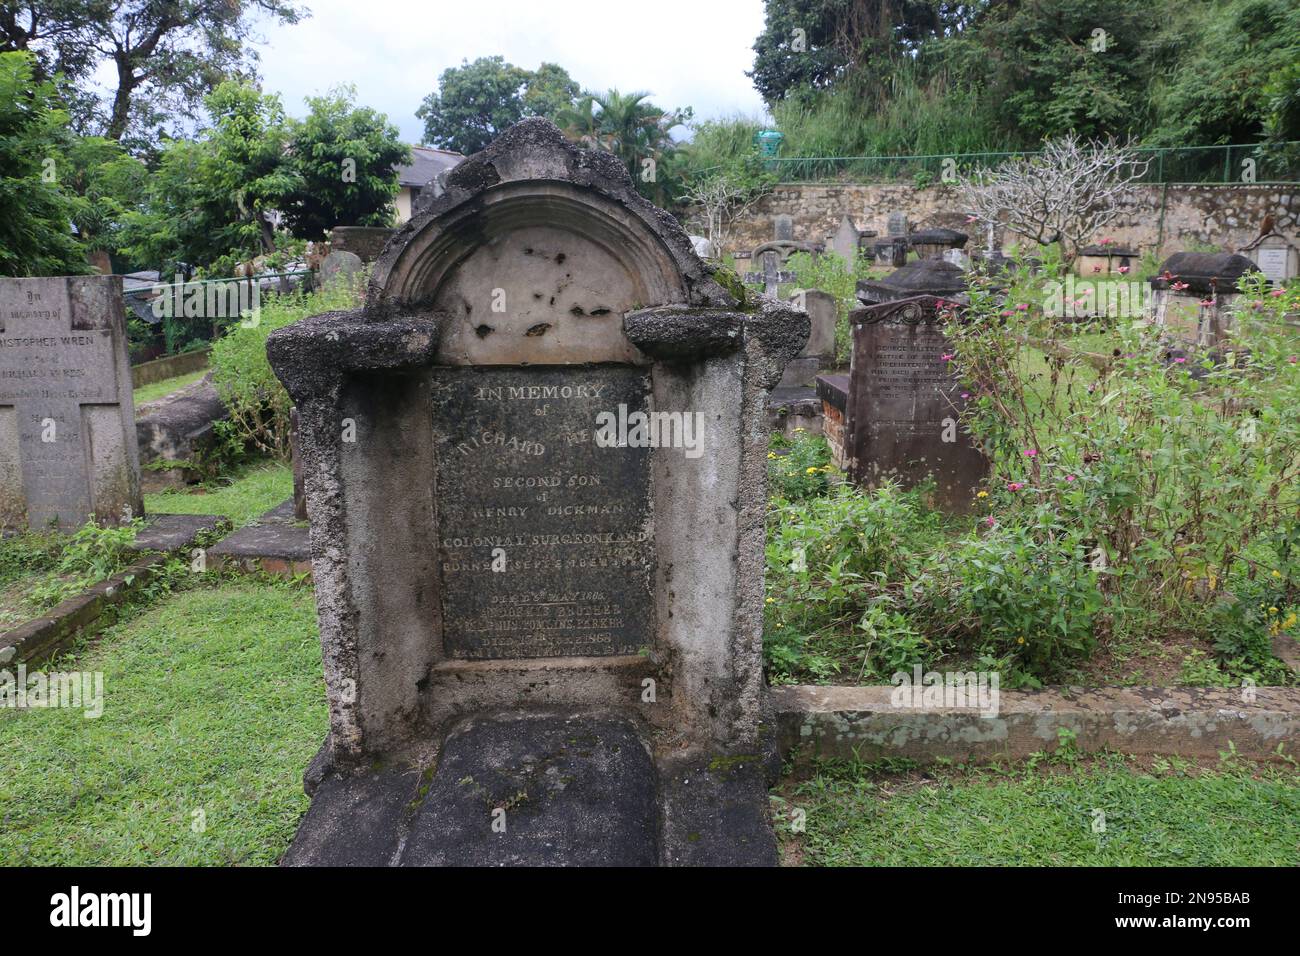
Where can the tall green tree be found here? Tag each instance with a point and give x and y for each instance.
(164, 55)
(475, 102)
(343, 159)
(35, 214)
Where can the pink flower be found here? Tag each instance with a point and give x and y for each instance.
(1180, 360)
(1179, 286)
(1291, 359)
(1015, 486)
(991, 521)
(1096, 268)
(1031, 452)
(1022, 307)
(946, 357)
(1108, 241)
(1207, 302)
(1069, 477)
(1276, 292)
(1123, 270)
(1007, 312)
(965, 394)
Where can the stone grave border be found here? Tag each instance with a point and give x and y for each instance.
(86, 614)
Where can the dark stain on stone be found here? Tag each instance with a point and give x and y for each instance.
(601, 311)
(538, 329)
(577, 310)
(559, 259)
(483, 331)
(468, 308)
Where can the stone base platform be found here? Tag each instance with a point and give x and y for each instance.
(536, 788)
(275, 543)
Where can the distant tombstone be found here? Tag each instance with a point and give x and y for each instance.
(898, 224)
(845, 241)
(904, 402)
(891, 252)
(67, 432)
(340, 267)
(1104, 259)
(1276, 256)
(1193, 296)
(535, 463)
(918, 277)
(783, 228)
(704, 247)
(819, 354)
(933, 243)
(958, 258)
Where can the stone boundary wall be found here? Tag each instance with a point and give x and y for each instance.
(861, 723)
(146, 373)
(1167, 217)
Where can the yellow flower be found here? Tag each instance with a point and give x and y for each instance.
(982, 494)
(1272, 610)
(771, 454)
(1277, 574)
(771, 600)
(810, 471)
(1020, 640)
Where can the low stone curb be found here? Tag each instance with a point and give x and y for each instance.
(45, 637)
(85, 614)
(862, 723)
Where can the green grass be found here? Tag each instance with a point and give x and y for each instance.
(1236, 814)
(149, 393)
(242, 497)
(213, 702)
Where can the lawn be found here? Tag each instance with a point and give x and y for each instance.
(213, 705)
(155, 391)
(253, 490)
(1162, 812)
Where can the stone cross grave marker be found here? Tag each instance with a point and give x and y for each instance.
(535, 463)
(904, 402)
(67, 436)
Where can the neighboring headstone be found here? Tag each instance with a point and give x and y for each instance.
(1103, 259)
(933, 243)
(904, 403)
(1276, 256)
(958, 258)
(891, 252)
(898, 224)
(833, 392)
(845, 241)
(783, 227)
(1193, 296)
(918, 277)
(340, 266)
(67, 436)
(535, 463)
(819, 353)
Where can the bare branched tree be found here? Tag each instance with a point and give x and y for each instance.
(1065, 194)
(719, 201)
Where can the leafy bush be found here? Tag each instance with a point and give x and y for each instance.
(259, 405)
(799, 468)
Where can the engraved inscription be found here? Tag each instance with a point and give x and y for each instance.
(545, 539)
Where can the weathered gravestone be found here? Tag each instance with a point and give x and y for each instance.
(1194, 295)
(897, 224)
(904, 402)
(67, 440)
(1277, 256)
(845, 242)
(819, 353)
(340, 267)
(535, 463)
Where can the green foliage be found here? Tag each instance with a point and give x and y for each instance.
(343, 159)
(35, 235)
(799, 468)
(259, 406)
(476, 102)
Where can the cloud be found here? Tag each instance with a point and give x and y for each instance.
(684, 52)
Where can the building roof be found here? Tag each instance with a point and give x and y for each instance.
(427, 163)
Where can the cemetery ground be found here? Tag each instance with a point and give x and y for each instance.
(219, 703)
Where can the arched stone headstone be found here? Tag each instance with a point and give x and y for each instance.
(535, 463)
(340, 266)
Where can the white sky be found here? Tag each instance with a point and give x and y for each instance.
(684, 52)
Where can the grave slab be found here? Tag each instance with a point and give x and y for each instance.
(276, 543)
